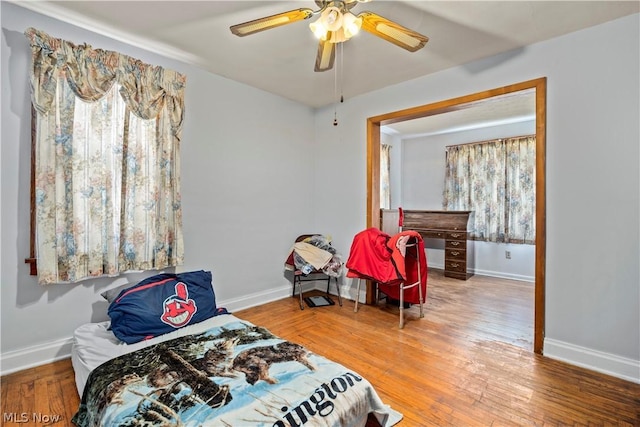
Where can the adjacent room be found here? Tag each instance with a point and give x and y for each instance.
(257, 220)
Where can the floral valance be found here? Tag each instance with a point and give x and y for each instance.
(145, 88)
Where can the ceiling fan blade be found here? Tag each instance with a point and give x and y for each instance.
(392, 32)
(326, 55)
(268, 22)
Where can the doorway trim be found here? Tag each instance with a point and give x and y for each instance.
(373, 174)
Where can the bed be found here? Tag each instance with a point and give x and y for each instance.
(219, 371)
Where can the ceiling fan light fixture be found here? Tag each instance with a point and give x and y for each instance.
(331, 18)
(336, 26)
(351, 25)
(319, 30)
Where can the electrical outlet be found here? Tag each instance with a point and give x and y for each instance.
(507, 254)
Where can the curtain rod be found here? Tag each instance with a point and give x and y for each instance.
(491, 140)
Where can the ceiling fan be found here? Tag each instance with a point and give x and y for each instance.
(336, 24)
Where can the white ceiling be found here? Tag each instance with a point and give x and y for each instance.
(498, 110)
(281, 60)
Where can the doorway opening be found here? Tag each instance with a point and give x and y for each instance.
(373, 173)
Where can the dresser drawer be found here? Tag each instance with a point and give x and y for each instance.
(455, 254)
(456, 235)
(456, 244)
(455, 266)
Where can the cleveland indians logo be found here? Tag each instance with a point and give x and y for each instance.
(178, 308)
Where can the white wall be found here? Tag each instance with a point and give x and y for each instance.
(424, 163)
(422, 170)
(246, 177)
(592, 180)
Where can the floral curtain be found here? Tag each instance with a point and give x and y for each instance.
(495, 180)
(385, 173)
(107, 162)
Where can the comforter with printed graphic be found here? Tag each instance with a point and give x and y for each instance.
(237, 374)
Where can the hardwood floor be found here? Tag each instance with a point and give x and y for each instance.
(468, 362)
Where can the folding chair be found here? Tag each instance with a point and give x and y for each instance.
(394, 264)
(300, 276)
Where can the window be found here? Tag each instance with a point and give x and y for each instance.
(105, 162)
(495, 180)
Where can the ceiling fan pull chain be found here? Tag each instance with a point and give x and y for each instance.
(341, 73)
(335, 90)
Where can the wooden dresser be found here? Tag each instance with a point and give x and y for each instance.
(448, 225)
